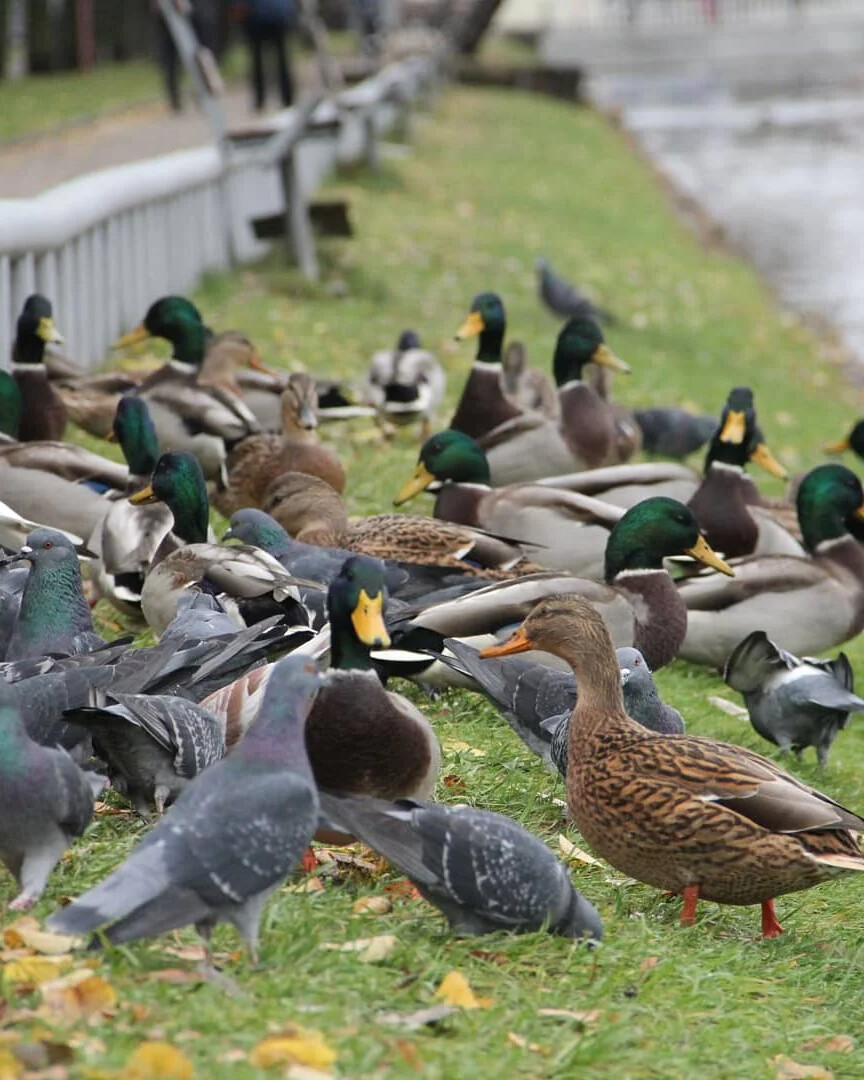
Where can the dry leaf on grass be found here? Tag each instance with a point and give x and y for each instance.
(27, 933)
(293, 1047)
(523, 1044)
(404, 889)
(157, 1061)
(456, 990)
(832, 1044)
(369, 950)
(373, 905)
(42, 1054)
(649, 963)
(787, 1069)
(414, 1020)
(10, 1067)
(570, 851)
(310, 885)
(174, 976)
(461, 747)
(305, 1072)
(586, 1016)
(454, 782)
(76, 996)
(35, 970)
(728, 707)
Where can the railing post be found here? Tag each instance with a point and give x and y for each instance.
(301, 240)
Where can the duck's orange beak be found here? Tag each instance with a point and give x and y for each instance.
(472, 326)
(257, 364)
(763, 456)
(837, 447)
(516, 643)
(734, 428)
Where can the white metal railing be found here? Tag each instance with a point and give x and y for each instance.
(693, 13)
(105, 245)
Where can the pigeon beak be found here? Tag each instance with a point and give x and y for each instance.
(516, 643)
(472, 326)
(23, 553)
(625, 675)
(419, 481)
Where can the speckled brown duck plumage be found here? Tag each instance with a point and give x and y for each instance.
(258, 460)
(690, 815)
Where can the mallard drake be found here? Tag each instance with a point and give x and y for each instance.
(188, 414)
(43, 415)
(587, 434)
(483, 405)
(258, 460)
(689, 815)
(245, 574)
(639, 600)
(309, 510)
(129, 536)
(527, 388)
(558, 529)
(807, 604)
(361, 738)
(406, 383)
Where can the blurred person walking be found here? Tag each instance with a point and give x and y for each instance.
(202, 15)
(268, 24)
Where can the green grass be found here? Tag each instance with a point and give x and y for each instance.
(496, 179)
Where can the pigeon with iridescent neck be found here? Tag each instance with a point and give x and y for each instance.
(54, 617)
(229, 840)
(45, 802)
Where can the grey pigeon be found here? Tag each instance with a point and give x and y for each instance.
(228, 841)
(673, 433)
(45, 802)
(54, 617)
(565, 300)
(12, 582)
(154, 744)
(794, 703)
(483, 871)
(536, 701)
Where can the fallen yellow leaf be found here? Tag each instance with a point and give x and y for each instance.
(787, 1069)
(455, 990)
(157, 1061)
(77, 995)
(588, 1016)
(833, 1044)
(294, 1047)
(570, 851)
(373, 905)
(459, 746)
(305, 1072)
(523, 1044)
(10, 1067)
(27, 933)
(369, 950)
(35, 970)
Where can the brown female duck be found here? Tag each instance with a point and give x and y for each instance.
(700, 818)
(258, 460)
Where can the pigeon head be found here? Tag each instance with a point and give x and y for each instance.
(486, 320)
(830, 500)
(49, 548)
(355, 603)
(10, 405)
(633, 666)
(35, 329)
(580, 342)
(651, 531)
(447, 455)
(258, 529)
(408, 339)
(177, 320)
(133, 429)
(178, 481)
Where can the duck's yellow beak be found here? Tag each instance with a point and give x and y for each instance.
(516, 643)
(110, 436)
(763, 456)
(472, 326)
(734, 428)
(146, 495)
(140, 333)
(604, 356)
(368, 621)
(420, 480)
(837, 447)
(704, 553)
(48, 331)
(859, 513)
